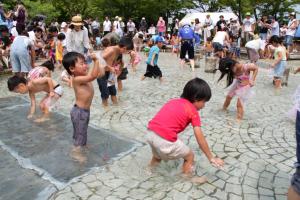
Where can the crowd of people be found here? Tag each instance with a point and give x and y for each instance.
(72, 46)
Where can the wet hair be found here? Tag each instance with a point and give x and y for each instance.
(14, 81)
(226, 67)
(126, 42)
(70, 59)
(49, 65)
(61, 36)
(105, 42)
(196, 90)
(52, 29)
(275, 39)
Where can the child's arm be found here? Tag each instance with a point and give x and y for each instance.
(93, 73)
(32, 105)
(152, 59)
(215, 161)
(278, 59)
(254, 69)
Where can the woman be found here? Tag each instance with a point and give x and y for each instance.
(161, 26)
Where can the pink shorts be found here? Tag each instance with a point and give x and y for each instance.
(166, 150)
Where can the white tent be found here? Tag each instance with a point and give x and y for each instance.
(214, 16)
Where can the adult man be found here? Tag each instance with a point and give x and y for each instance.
(143, 25)
(186, 36)
(291, 30)
(130, 28)
(248, 27)
(220, 22)
(117, 27)
(106, 26)
(95, 27)
(274, 26)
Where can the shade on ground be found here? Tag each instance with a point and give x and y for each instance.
(46, 148)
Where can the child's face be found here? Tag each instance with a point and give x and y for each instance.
(21, 89)
(199, 104)
(159, 44)
(80, 68)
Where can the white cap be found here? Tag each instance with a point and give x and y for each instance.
(63, 25)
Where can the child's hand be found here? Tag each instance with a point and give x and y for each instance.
(93, 57)
(217, 162)
(51, 94)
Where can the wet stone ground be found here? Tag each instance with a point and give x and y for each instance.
(259, 153)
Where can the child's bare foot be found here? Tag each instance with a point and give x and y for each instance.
(161, 80)
(77, 155)
(42, 119)
(199, 179)
(143, 78)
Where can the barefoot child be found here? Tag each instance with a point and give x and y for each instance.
(76, 66)
(135, 59)
(152, 69)
(172, 119)
(238, 76)
(59, 50)
(280, 57)
(43, 84)
(44, 70)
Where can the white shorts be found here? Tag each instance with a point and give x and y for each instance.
(58, 90)
(166, 150)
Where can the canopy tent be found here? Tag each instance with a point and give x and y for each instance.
(214, 16)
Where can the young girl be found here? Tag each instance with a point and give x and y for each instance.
(239, 75)
(59, 50)
(280, 56)
(135, 59)
(175, 43)
(208, 47)
(44, 70)
(172, 119)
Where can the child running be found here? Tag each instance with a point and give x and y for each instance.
(152, 69)
(43, 84)
(76, 66)
(172, 119)
(238, 76)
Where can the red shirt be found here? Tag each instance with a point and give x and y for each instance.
(173, 118)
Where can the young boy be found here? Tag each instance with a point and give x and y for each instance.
(172, 119)
(76, 66)
(152, 69)
(43, 84)
(109, 56)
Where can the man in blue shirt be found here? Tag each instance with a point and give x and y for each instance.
(152, 69)
(186, 35)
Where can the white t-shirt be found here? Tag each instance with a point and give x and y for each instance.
(291, 31)
(248, 24)
(106, 25)
(256, 44)
(14, 32)
(220, 37)
(130, 26)
(95, 25)
(275, 28)
(31, 36)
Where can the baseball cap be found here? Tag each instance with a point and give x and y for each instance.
(159, 39)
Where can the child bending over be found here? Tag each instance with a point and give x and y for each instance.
(43, 84)
(172, 119)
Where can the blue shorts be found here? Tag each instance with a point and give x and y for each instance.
(279, 69)
(104, 89)
(288, 40)
(20, 61)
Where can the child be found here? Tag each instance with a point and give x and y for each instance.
(109, 57)
(43, 84)
(121, 72)
(280, 56)
(175, 43)
(208, 47)
(65, 77)
(239, 75)
(44, 70)
(172, 119)
(152, 68)
(76, 66)
(59, 50)
(135, 59)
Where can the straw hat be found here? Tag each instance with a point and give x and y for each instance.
(77, 21)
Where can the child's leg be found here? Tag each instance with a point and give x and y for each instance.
(286, 76)
(240, 109)
(292, 194)
(277, 83)
(227, 102)
(188, 164)
(44, 108)
(120, 85)
(154, 161)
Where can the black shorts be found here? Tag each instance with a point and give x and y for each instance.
(217, 46)
(153, 71)
(123, 74)
(187, 46)
(104, 89)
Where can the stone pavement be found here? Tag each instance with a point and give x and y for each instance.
(259, 153)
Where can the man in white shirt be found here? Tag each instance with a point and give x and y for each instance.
(106, 26)
(95, 27)
(130, 27)
(248, 27)
(291, 30)
(117, 27)
(274, 26)
(255, 48)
